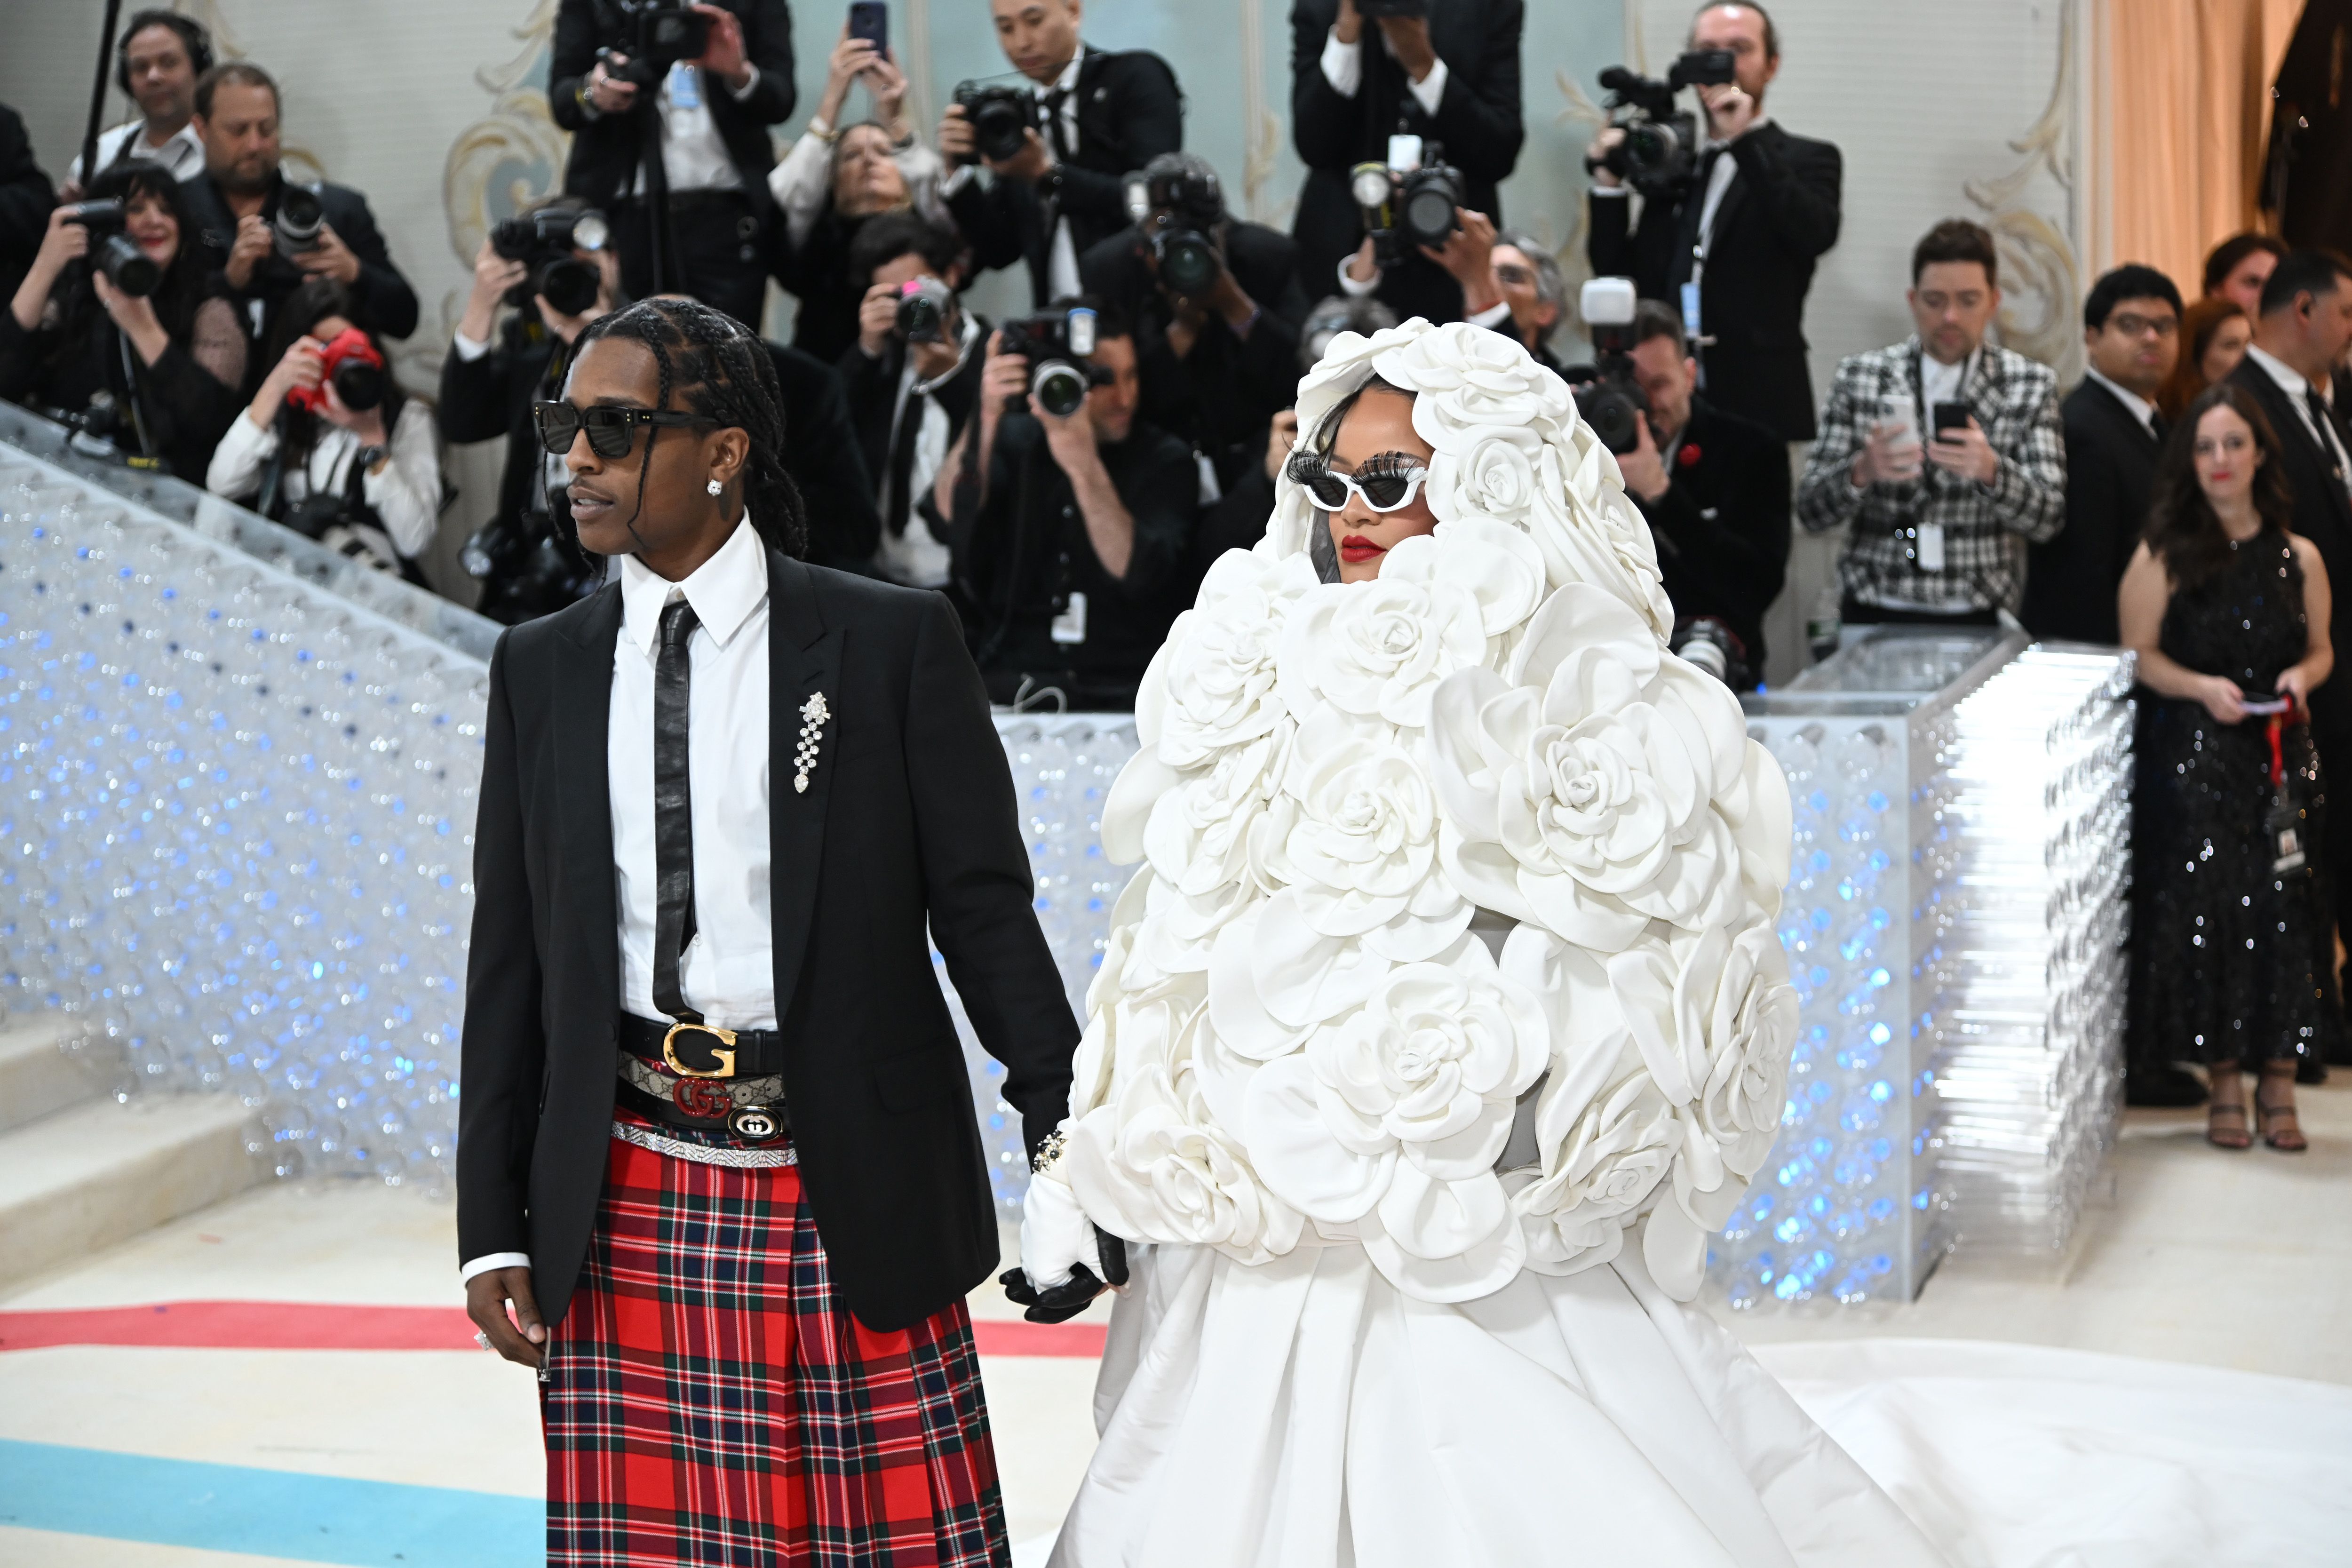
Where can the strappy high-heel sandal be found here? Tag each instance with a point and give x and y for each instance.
(2285, 1137)
(2225, 1126)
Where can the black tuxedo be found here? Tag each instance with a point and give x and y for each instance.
(1129, 112)
(1477, 121)
(909, 816)
(381, 300)
(2070, 579)
(1777, 217)
(1722, 527)
(823, 455)
(486, 398)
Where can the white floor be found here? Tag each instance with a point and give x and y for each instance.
(2235, 1262)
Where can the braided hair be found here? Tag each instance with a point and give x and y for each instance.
(721, 371)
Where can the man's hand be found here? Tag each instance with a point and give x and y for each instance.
(724, 56)
(956, 136)
(1967, 453)
(607, 90)
(1729, 111)
(1890, 456)
(253, 244)
(1070, 437)
(1029, 165)
(332, 259)
(1604, 178)
(1644, 467)
(1408, 37)
(493, 276)
(1349, 28)
(1364, 266)
(1280, 440)
(878, 318)
(1469, 257)
(1003, 385)
(522, 1338)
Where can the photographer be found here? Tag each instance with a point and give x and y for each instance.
(1216, 307)
(1943, 453)
(267, 237)
(1715, 489)
(26, 198)
(156, 372)
(361, 475)
(1448, 74)
(822, 454)
(1734, 244)
(1069, 531)
(156, 65)
(909, 396)
(1086, 118)
(1535, 294)
(697, 129)
(836, 177)
(490, 379)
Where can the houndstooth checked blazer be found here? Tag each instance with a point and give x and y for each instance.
(1986, 527)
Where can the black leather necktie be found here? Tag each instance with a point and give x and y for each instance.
(2322, 421)
(673, 811)
(902, 462)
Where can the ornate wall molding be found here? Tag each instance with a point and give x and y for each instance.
(2040, 274)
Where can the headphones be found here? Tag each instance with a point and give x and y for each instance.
(191, 33)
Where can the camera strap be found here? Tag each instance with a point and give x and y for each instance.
(131, 382)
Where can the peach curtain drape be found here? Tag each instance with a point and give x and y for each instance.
(2186, 89)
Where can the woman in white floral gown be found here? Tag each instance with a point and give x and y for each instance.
(1441, 1023)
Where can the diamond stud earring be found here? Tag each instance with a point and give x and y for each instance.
(714, 487)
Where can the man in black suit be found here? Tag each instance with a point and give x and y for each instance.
(1742, 236)
(2131, 335)
(828, 461)
(1219, 357)
(727, 802)
(707, 119)
(1450, 76)
(1100, 117)
(26, 198)
(2303, 333)
(235, 201)
(1715, 489)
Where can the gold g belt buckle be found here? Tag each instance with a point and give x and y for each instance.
(723, 1053)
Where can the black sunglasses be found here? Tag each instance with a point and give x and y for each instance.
(611, 431)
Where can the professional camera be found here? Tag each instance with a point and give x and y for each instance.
(1001, 117)
(300, 215)
(1408, 201)
(655, 35)
(1709, 643)
(353, 367)
(1051, 342)
(1660, 153)
(925, 307)
(524, 572)
(546, 240)
(1184, 247)
(113, 252)
(1606, 392)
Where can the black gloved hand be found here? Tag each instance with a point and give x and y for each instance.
(1060, 1303)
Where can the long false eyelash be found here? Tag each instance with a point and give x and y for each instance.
(1388, 465)
(1303, 467)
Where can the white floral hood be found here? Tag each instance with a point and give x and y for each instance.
(1295, 1039)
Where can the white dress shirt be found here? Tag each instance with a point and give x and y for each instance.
(1343, 67)
(728, 971)
(694, 156)
(183, 152)
(406, 492)
(1941, 383)
(2139, 407)
(2291, 382)
(1062, 256)
(917, 558)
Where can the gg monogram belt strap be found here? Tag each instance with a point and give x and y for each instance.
(721, 1095)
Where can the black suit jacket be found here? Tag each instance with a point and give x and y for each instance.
(26, 198)
(1477, 121)
(2070, 579)
(2323, 514)
(909, 818)
(823, 455)
(871, 388)
(491, 396)
(381, 300)
(1129, 112)
(605, 149)
(1722, 527)
(1777, 217)
(1221, 395)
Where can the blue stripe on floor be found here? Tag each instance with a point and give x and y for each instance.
(265, 1513)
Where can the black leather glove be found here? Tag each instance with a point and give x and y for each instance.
(1060, 1303)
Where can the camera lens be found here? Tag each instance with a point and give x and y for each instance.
(568, 284)
(1370, 184)
(1001, 125)
(1429, 213)
(920, 319)
(126, 267)
(359, 384)
(1188, 262)
(299, 215)
(1611, 413)
(1059, 387)
(591, 232)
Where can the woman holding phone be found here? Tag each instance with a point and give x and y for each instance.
(2228, 612)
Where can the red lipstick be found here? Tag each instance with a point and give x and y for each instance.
(1355, 549)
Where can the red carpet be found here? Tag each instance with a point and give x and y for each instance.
(313, 1326)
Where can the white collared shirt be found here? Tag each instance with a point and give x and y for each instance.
(2293, 382)
(728, 971)
(183, 152)
(917, 558)
(1719, 181)
(1061, 256)
(694, 156)
(2140, 407)
(1343, 67)
(1941, 383)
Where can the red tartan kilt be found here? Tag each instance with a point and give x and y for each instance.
(711, 1400)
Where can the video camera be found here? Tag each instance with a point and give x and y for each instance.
(1408, 201)
(1184, 247)
(1606, 392)
(1051, 342)
(353, 367)
(545, 241)
(654, 35)
(1660, 153)
(925, 307)
(112, 251)
(1001, 117)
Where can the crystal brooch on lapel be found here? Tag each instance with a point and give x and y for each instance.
(815, 716)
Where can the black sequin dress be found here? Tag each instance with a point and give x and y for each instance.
(2231, 961)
